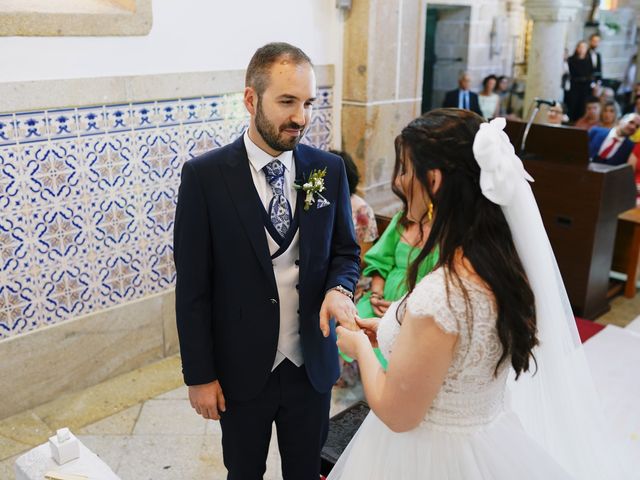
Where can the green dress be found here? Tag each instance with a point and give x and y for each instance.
(390, 258)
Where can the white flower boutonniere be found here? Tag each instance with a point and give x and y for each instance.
(312, 187)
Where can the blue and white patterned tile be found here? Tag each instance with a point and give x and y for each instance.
(159, 151)
(61, 238)
(163, 274)
(13, 250)
(324, 98)
(62, 123)
(159, 209)
(17, 313)
(121, 278)
(51, 169)
(91, 120)
(213, 108)
(115, 223)
(144, 115)
(8, 135)
(67, 291)
(11, 179)
(318, 133)
(171, 113)
(197, 140)
(88, 221)
(119, 118)
(109, 160)
(31, 127)
(194, 110)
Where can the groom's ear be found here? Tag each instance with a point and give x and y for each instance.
(250, 100)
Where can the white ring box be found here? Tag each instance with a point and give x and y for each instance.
(64, 446)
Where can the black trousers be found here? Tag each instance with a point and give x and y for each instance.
(301, 415)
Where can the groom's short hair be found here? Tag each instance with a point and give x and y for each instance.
(257, 76)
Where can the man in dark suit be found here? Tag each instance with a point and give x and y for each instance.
(613, 146)
(462, 97)
(595, 58)
(261, 268)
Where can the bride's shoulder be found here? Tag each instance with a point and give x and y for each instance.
(431, 297)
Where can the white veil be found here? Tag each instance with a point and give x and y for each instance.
(558, 405)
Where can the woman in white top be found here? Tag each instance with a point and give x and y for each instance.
(488, 100)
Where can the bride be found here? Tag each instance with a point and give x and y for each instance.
(486, 376)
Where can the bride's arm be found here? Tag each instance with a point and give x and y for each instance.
(417, 367)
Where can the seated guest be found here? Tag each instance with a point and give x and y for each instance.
(634, 106)
(462, 97)
(388, 260)
(364, 223)
(591, 115)
(488, 100)
(613, 146)
(609, 115)
(364, 219)
(502, 90)
(555, 115)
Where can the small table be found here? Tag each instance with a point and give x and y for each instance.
(37, 461)
(626, 256)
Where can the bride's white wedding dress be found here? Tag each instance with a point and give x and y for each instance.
(468, 433)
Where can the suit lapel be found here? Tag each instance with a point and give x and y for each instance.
(243, 193)
(303, 170)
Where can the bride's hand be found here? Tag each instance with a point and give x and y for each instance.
(349, 341)
(370, 327)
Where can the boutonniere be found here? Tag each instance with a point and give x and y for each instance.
(313, 187)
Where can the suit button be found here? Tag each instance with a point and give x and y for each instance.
(298, 311)
(274, 301)
(297, 287)
(297, 262)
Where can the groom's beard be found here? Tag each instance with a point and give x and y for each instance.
(272, 135)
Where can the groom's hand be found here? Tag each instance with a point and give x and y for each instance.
(340, 307)
(207, 400)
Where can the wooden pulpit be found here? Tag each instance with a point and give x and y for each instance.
(579, 202)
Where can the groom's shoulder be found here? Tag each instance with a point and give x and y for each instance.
(215, 157)
(322, 156)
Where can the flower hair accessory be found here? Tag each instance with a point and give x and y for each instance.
(500, 167)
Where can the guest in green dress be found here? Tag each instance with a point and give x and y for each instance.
(387, 263)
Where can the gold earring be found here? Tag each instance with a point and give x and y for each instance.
(430, 212)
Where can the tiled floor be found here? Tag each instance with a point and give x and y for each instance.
(142, 426)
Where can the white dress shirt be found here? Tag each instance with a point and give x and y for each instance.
(258, 159)
(285, 266)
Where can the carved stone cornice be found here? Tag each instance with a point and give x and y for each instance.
(553, 10)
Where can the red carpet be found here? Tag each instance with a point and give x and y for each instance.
(587, 328)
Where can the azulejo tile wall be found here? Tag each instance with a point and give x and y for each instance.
(87, 200)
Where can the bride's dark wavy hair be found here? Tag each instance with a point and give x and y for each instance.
(465, 219)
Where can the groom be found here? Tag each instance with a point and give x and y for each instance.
(261, 268)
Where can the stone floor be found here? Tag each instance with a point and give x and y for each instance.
(142, 426)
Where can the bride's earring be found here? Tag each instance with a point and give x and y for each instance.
(430, 212)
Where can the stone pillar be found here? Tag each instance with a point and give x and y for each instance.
(382, 88)
(548, 39)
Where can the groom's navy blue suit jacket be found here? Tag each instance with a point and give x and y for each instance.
(227, 304)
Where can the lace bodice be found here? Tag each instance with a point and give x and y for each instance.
(471, 395)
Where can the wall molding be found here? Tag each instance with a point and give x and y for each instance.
(75, 18)
(80, 92)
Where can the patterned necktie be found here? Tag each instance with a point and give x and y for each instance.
(279, 208)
